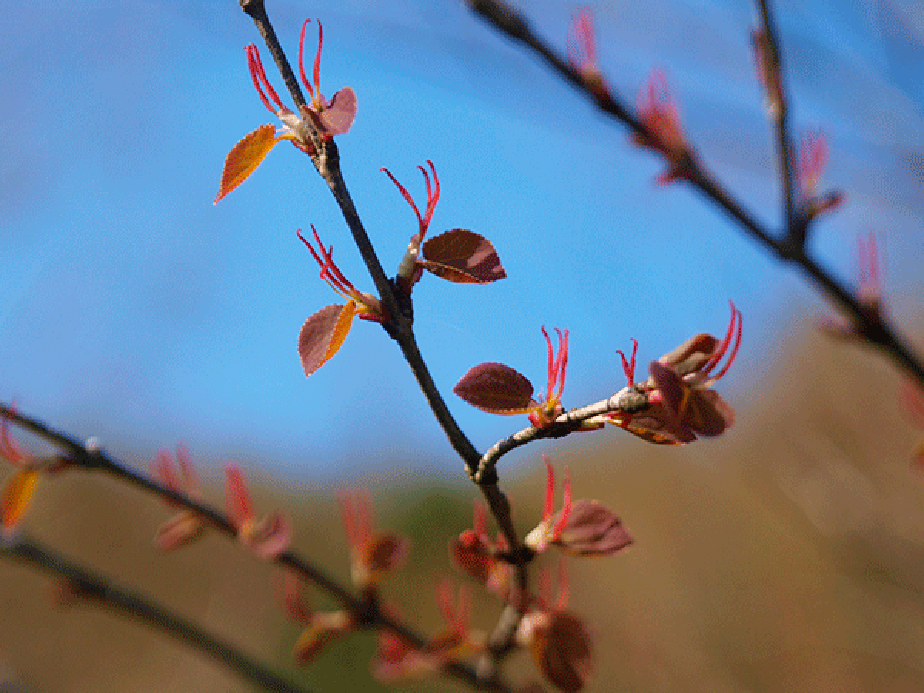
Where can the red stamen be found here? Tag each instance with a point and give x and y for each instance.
(628, 367)
(433, 196)
(301, 63)
(317, 60)
(584, 31)
(562, 361)
(329, 271)
(431, 199)
(869, 266)
(258, 75)
(549, 489)
(566, 507)
(551, 367)
(736, 317)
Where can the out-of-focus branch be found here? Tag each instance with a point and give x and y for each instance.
(92, 458)
(790, 249)
(95, 589)
(770, 55)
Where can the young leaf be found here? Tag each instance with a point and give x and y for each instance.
(245, 156)
(592, 530)
(339, 116)
(462, 256)
(17, 496)
(323, 333)
(496, 389)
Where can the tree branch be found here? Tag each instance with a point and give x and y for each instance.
(874, 328)
(91, 587)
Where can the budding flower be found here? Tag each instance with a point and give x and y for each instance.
(372, 555)
(582, 52)
(186, 525)
(558, 640)
(326, 118)
(266, 536)
(658, 113)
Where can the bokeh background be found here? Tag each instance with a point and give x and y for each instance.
(786, 555)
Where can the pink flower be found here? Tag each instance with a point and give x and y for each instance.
(560, 643)
(267, 536)
(869, 295)
(682, 404)
(320, 627)
(499, 389)
(186, 525)
(323, 333)
(549, 409)
(582, 52)
(372, 554)
(659, 114)
(811, 157)
(477, 554)
(326, 118)
(582, 528)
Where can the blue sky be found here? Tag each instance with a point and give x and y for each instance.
(135, 310)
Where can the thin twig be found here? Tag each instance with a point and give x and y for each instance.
(94, 588)
(95, 459)
(629, 400)
(873, 327)
(400, 326)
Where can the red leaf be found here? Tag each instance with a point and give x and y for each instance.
(245, 156)
(339, 116)
(496, 389)
(592, 530)
(563, 651)
(462, 256)
(323, 333)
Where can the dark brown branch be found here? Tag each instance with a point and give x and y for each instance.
(400, 327)
(789, 250)
(771, 55)
(92, 588)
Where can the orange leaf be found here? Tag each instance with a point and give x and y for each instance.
(17, 496)
(323, 333)
(245, 156)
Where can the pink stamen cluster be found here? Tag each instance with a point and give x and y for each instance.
(433, 196)
(557, 363)
(331, 274)
(316, 99)
(734, 328)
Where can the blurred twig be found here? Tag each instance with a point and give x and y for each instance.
(366, 610)
(91, 588)
(790, 249)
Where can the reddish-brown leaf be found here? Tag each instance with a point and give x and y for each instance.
(563, 651)
(340, 114)
(323, 333)
(245, 156)
(591, 530)
(462, 256)
(496, 389)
